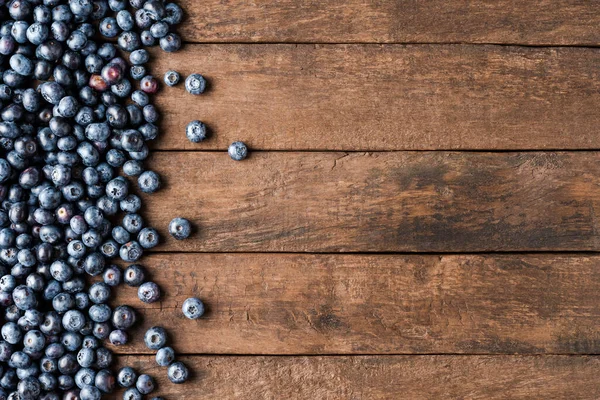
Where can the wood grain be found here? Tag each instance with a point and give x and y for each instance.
(379, 202)
(564, 22)
(425, 377)
(370, 97)
(375, 304)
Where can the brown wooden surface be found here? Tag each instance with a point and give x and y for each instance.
(479, 75)
(371, 97)
(564, 22)
(379, 202)
(375, 304)
(383, 377)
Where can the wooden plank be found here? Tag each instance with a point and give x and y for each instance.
(392, 377)
(375, 304)
(371, 97)
(564, 22)
(380, 202)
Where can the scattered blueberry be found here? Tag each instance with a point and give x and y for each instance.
(165, 356)
(155, 337)
(144, 384)
(180, 228)
(149, 182)
(195, 84)
(193, 308)
(149, 292)
(177, 372)
(237, 151)
(172, 78)
(195, 131)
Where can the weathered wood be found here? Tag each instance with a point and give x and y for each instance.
(565, 22)
(379, 202)
(375, 304)
(392, 377)
(370, 97)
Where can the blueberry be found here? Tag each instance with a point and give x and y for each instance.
(29, 388)
(21, 65)
(125, 20)
(139, 57)
(131, 204)
(195, 83)
(109, 249)
(180, 228)
(100, 330)
(137, 72)
(34, 340)
(159, 29)
(149, 292)
(93, 217)
(77, 40)
(99, 293)
(52, 92)
(146, 38)
(63, 302)
(133, 168)
(112, 275)
(130, 251)
(126, 377)
(165, 356)
(238, 151)
(155, 337)
(24, 298)
(86, 358)
(122, 89)
(148, 238)
(171, 43)
(105, 381)
(149, 131)
(193, 308)
(129, 41)
(37, 33)
(195, 131)
(103, 358)
(149, 84)
(131, 140)
(144, 384)
(134, 275)
(143, 18)
(150, 113)
(133, 223)
(118, 337)
(94, 64)
(132, 394)
(108, 206)
(82, 300)
(149, 182)
(117, 189)
(123, 317)
(177, 372)
(112, 73)
(11, 333)
(117, 5)
(172, 78)
(120, 234)
(90, 393)
(140, 98)
(94, 264)
(109, 27)
(173, 14)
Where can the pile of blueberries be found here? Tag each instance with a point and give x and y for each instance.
(75, 119)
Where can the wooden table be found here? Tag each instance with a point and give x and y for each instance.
(418, 216)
